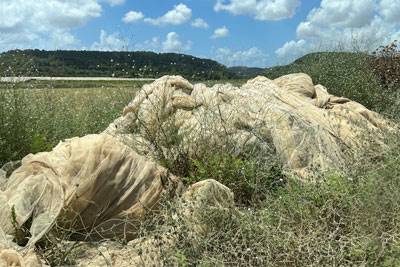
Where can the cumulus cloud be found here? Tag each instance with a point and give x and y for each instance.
(60, 39)
(252, 57)
(344, 25)
(260, 9)
(171, 44)
(116, 2)
(132, 16)
(200, 23)
(46, 15)
(292, 50)
(109, 42)
(180, 14)
(390, 10)
(220, 33)
(342, 13)
(154, 44)
(31, 23)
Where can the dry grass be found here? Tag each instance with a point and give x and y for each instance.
(36, 116)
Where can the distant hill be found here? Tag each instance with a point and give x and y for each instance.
(246, 72)
(323, 67)
(109, 64)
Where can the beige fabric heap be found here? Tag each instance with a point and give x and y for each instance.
(311, 130)
(94, 185)
(12, 258)
(160, 249)
(154, 250)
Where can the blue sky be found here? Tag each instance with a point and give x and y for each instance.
(234, 32)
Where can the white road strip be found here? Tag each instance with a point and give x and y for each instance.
(25, 79)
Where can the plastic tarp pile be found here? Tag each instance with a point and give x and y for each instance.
(310, 129)
(93, 185)
(101, 186)
(156, 249)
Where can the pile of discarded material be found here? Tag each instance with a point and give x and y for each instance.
(101, 186)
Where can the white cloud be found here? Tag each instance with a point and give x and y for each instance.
(200, 23)
(46, 15)
(180, 14)
(60, 39)
(343, 13)
(252, 57)
(344, 25)
(32, 23)
(292, 50)
(173, 43)
(260, 9)
(116, 2)
(390, 10)
(132, 16)
(220, 32)
(154, 44)
(109, 42)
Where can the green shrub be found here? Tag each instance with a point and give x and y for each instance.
(351, 220)
(40, 143)
(249, 178)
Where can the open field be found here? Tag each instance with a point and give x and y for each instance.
(37, 114)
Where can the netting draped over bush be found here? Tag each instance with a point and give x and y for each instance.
(309, 129)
